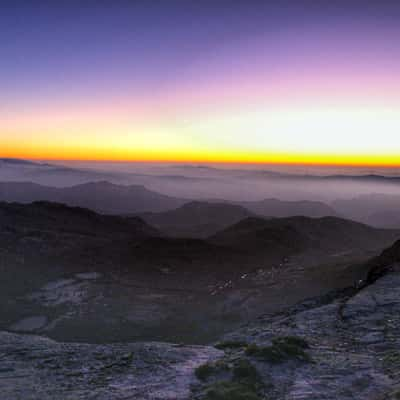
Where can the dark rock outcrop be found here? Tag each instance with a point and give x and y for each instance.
(380, 265)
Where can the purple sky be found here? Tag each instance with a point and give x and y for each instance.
(142, 65)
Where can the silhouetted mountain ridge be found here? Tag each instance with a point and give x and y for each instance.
(375, 209)
(196, 218)
(282, 208)
(18, 161)
(101, 196)
(301, 233)
(381, 264)
(56, 217)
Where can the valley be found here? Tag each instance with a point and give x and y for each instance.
(340, 345)
(92, 278)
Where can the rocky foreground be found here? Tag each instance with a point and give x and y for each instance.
(343, 346)
(33, 367)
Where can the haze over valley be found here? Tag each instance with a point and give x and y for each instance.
(366, 195)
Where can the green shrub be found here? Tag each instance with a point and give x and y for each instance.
(252, 350)
(391, 363)
(204, 371)
(391, 360)
(282, 349)
(246, 374)
(230, 344)
(265, 353)
(292, 341)
(230, 391)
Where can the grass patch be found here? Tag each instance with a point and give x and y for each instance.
(230, 344)
(204, 371)
(391, 363)
(291, 341)
(246, 374)
(282, 349)
(392, 359)
(230, 391)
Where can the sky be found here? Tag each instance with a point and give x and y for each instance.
(313, 82)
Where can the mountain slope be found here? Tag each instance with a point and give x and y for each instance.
(302, 233)
(376, 209)
(381, 264)
(197, 219)
(280, 208)
(99, 196)
(344, 345)
(59, 218)
(18, 161)
(75, 275)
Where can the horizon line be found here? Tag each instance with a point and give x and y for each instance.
(238, 161)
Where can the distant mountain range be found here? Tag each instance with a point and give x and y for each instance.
(281, 208)
(102, 197)
(197, 219)
(18, 161)
(185, 217)
(294, 234)
(377, 209)
(159, 189)
(181, 172)
(268, 174)
(111, 198)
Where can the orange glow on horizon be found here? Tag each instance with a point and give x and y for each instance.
(291, 135)
(126, 155)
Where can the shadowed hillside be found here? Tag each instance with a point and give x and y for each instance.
(302, 233)
(197, 219)
(101, 196)
(381, 264)
(280, 208)
(59, 218)
(72, 274)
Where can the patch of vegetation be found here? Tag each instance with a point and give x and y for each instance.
(230, 391)
(392, 359)
(246, 374)
(291, 341)
(230, 344)
(205, 371)
(282, 349)
(265, 353)
(391, 362)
